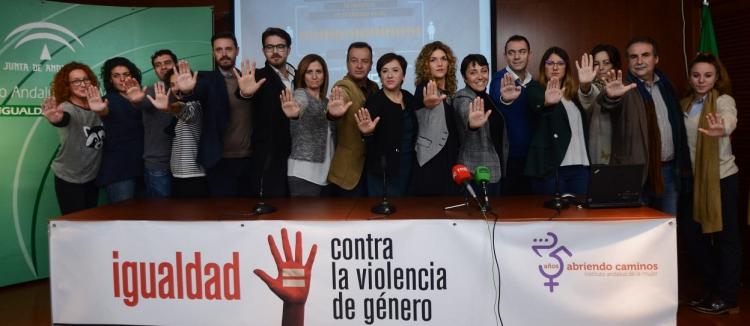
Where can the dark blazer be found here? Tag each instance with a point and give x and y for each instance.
(211, 91)
(271, 135)
(388, 135)
(551, 133)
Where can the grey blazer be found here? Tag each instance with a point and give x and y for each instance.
(433, 132)
(476, 145)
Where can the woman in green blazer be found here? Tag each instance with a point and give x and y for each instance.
(558, 142)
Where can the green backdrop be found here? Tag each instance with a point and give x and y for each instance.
(38, 37)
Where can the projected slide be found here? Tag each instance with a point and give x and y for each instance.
(328, 27)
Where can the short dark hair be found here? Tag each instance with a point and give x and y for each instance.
(516, 38)
(228, 35)
(643, 39)
(472, 58)
(612, 53)
(388, 57)
(110, 64)
(164, 52)
(275, 31)
(358, 45)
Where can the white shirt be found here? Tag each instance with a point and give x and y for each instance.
(316, 173)
(576, 152)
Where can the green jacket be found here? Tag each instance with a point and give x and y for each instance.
(550, 134)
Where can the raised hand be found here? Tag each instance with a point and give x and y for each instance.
(53, 112)
(289, 105)
(613, 85)
(586, 71)
(292, 283)
(247, 83)
(161, 98)
(477, 116)
(94, 98)
(554, 93)
(364, 123)
(715, 126)
(134, 93)
(185, 79)
(508, 89)
(431, 95)
(336, 106)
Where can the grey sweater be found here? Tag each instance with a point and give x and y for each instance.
(308, 132)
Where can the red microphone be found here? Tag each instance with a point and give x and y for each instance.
(461, 176)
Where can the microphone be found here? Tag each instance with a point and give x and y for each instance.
(461, 176)
(482, 177)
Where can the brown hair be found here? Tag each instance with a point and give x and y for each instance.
(570, 84)
(723, 84)
(303, 64)
(61, 82)
(422, 66)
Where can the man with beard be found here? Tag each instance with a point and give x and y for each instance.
(224, 149)
(157, 147)
(647, 125)
(271, 138)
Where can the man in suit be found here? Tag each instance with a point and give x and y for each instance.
(347, 97)
(271, 138)
(225, 146)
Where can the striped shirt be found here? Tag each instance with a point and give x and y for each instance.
(184, 162)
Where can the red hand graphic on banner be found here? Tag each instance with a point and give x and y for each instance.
(292, 283)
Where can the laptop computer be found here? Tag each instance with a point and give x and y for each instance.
(615, 186)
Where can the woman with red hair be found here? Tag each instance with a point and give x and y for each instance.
(75, 109)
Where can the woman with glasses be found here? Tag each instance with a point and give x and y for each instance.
(437, 138)
(388, 126)
(710, 116)
(592, 70)
(76, 108)
(558, 159)
(312, 133)
(122, 158)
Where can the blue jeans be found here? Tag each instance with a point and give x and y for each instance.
(667, 202)
(121, 190)
(158, 183)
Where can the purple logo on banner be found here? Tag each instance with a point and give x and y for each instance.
(549, 246)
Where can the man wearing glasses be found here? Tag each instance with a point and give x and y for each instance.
(271, 138)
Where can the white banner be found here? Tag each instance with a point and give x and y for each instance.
(398, 272)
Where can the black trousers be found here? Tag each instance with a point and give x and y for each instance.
(718, 256)
(73, 197)
(196, 187)
(231, 177)
(515, 182)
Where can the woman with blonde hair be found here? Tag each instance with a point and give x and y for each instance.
(710, 116)
(437, 138)
(75, 109)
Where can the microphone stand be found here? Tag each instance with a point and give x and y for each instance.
(557, 202)
(262, 207)
(384, 207)
(486, 206)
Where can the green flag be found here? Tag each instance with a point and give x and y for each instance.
(708, 37)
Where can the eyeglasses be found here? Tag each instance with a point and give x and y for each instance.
(80, 82)
(123, 75)
(555, 63)
(277, 47)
